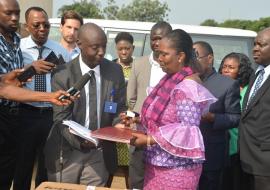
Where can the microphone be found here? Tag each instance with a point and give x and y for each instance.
(75, 90)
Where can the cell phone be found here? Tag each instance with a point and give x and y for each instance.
(52, 58)
(27, 74)
(61, 60)
(132, 114)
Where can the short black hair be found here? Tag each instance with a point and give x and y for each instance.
(39, 9)
(245, 67)
(181, 41)
(124, 36)
(206, 46)
(162, 25)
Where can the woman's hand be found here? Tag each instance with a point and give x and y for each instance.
(140, 140)
(128, 121)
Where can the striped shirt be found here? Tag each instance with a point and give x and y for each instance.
(10, 58)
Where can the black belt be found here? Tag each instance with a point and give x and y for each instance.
(36, 109)
(13, 110)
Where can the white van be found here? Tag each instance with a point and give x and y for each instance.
(223, 40)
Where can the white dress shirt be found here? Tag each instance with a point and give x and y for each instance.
(155, 75)
(265, 76)
(85, 69)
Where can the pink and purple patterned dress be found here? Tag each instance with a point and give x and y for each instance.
(175, 162)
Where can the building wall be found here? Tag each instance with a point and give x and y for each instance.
(47, 5)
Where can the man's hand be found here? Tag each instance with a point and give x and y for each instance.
(43, 67)
(55, 95)
(87, 145)
(11, 77)
(209, 117)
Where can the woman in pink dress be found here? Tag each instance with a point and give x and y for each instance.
(171, 115)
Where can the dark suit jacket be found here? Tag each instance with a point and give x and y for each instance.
(227, 115)
(254, 131)
(111, 78)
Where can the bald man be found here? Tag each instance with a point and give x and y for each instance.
(84, 163)
(254, 129)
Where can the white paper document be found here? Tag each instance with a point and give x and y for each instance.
(81, 131)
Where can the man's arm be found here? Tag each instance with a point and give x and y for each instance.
(232, 111)
(23, 95)
(9, 90)
(132, 88)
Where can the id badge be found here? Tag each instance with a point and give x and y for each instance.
(110, 107)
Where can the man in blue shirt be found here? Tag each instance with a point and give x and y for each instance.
(36, 117)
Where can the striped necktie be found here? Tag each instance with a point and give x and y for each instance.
(257, 85)
(40, 79)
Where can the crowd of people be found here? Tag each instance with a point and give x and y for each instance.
(202, 129)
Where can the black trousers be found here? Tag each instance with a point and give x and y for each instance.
(233, 175)
(8, 145)
(36, 125)
(254, 182)
(210, 180)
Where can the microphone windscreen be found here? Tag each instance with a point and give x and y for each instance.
(80, 84)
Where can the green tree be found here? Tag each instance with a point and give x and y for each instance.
(255, 25)
(144, 10)
(111, 10)
(209, 22)
(84, 8)
(137, 10)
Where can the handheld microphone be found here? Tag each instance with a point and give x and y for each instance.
(75, 90)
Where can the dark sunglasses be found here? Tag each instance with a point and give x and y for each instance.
(39, 25)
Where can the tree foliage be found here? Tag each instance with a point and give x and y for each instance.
(209, 22)
(144, 10)
(84, 8)
(137, 10)
(256, 25)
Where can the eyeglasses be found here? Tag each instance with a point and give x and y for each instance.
(202, 56)
(37, 26)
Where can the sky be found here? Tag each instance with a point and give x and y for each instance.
(195, 12)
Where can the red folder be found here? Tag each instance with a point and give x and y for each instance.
(122, 135)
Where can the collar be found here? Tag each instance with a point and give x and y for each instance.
(266, 70)
(85, 68)
(16, 38)
(29, 43)
(152, 61)
(205, 77)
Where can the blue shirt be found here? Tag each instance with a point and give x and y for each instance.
(75, 52)
(10, 59)
(30, 54)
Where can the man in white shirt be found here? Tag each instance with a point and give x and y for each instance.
(70, 24)
(82, 162)
(145, 74)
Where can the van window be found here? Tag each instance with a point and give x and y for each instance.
(222, 40)
(223, 45)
